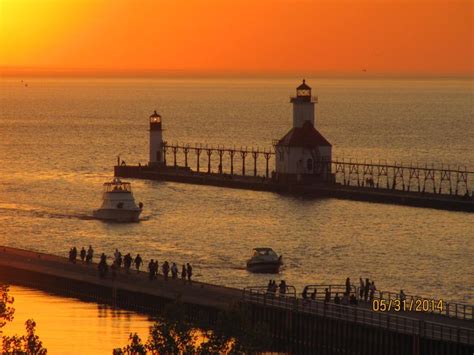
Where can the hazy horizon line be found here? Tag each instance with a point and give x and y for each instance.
(14, 72)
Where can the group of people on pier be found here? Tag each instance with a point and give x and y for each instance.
(366, 293)
(86, 256)
(167, 269)
(272, 287)
(126, 262)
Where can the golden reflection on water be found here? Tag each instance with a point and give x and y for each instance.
(70, 326)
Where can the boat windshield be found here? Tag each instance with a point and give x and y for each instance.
(263, 252)
(117, 186)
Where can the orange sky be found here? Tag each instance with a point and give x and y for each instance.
(204, 36)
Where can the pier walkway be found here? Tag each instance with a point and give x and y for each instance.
(291, 318)
(342, 190)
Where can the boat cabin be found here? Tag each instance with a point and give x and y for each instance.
(264, 252)
(117, 186)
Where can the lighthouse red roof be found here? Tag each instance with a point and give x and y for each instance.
(303, 86)
(305, 136)
(155, 114)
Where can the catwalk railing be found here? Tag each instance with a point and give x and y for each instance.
(360, 315)
(424, 179)
(414, 302)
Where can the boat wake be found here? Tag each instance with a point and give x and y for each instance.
(21, 211)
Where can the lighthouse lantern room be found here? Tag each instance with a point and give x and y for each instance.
(156, 140)
(303, 154)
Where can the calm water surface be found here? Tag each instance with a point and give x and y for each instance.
(59, 140)
(69, 326)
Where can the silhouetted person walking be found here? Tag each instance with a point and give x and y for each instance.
(304, 294)
(361, 288)
(189, 271)
(83, 254)
(127, 262)
(138, 262)
(151, 270)
(90, 254)
(348, 285)
(183, 272)
(174, 271)
(327, 295)
(166, 270)
(366, 290)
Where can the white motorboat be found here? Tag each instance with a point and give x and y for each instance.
(264, 260)
(118, 203)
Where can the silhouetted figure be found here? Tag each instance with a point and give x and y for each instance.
(275, 287)
(269, 286)
(282, 288)
(166, 270)
(174, 271)
(83, 254)
(348, 285)
(304, 294)
(337, 299)
(189, 271)
(403, 297)
(74, 254)
(353, 300)
(327, 295)
(127, 262)
(103, 267)
(313, 295)
(118, 258)
(90, 254)
(372, 290)
(151, 270)
(138, 262)
(361, 288)
(183, 272)
(366, 290)
(345, 299)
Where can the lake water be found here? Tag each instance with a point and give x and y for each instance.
(69, 326)
(59, 140)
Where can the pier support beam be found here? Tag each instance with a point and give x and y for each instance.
(231, 154)
(198, 154)
(255, 156)
(209, 153)
(267, 158)
(221, 153)
(243, 154)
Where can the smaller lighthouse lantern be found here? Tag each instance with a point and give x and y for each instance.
(156, 140)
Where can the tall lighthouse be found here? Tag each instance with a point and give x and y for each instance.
(303, 154)
(156, 140)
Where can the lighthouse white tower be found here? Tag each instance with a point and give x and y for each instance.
(156, 140)
(303, 105)
(303, 154)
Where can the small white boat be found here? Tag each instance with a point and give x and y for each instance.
(118, 203)
(264, 260)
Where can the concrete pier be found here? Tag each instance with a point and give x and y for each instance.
(320, 189)
(294, 325)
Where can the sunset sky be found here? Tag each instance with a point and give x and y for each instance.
(428, 37)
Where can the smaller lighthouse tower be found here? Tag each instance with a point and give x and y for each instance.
(156, 140)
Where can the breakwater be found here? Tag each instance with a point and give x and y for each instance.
(365, 190)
